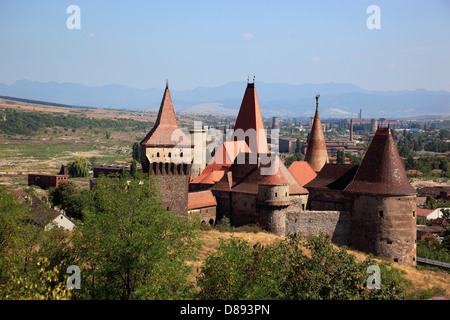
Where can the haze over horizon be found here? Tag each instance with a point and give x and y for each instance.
(212, 43)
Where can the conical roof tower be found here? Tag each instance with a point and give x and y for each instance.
(381, 171)
(166, 123)
(316, 153)
(167, 154)
(249, 123)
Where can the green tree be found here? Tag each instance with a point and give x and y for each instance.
(133, 168)
(25, 272)
(78, 204)
(340, 158)
(298, 146)
(61, 195)
(295, 157)
(410, 163)
(136, 153)
(14, 219)
(130, 247)
(79, 167)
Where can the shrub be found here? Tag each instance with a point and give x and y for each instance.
(284, 271)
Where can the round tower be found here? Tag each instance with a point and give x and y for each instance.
(384, 203)
(374, 124)
(273, 200)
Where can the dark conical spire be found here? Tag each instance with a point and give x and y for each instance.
(316, 153)
(381, 171)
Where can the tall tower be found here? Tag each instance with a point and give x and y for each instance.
(384, 203)
(374, 124)
(275, 123)
(351, 129)
(316, 153)
(198, 137)
(249, 123)
(167, 155)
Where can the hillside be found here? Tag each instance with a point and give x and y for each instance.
(420, 279)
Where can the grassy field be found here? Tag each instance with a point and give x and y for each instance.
(45, 153)
(47, 149)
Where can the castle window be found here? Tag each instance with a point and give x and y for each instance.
(181, 154)
(389, 242)
(157, 154)
(286, 194)
(395, 260)
(276, 194)
(170, 154)
(414, 213)
(380, 213)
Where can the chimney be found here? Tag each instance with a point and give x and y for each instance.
(275, 123)
(351, 129)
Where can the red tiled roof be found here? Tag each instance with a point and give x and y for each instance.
(302, 172)
(294, 186)
(221, 161)
(274, 176)
(201, 199)
(249, 118)
(423, 212)
(244, 178)
(162, 133)
(381, 170)
(333, 176)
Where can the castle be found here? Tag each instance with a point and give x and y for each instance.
(370, 207)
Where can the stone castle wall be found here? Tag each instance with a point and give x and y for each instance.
(312, 223)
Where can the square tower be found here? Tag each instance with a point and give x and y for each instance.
(167, 154)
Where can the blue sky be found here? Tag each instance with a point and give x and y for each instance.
(209, 43)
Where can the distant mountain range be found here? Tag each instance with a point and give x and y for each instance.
(337, 100)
